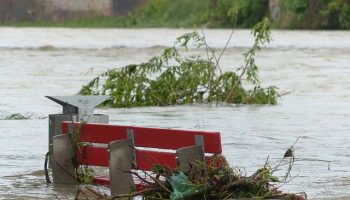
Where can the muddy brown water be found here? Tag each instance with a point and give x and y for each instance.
(315, 65)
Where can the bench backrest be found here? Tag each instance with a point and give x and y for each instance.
(155, 143)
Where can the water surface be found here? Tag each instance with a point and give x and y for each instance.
(35, 62)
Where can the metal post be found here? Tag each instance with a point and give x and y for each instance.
(74, 109)
(130, 134)
(82, 106)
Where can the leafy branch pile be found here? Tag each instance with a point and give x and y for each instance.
(211, 181)
(208, 181)
(174, 79)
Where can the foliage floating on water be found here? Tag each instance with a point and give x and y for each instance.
(18, 116)
(172, 79)
(214, 180)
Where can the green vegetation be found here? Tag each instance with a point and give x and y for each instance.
(214, 179)
(247, 12)
(172, 79)
(196, 13)
(314, 14)
(173, 14)
(84, 173)
(294, 14)
(18, 116)
(167, 13)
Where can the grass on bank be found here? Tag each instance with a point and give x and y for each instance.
(171, 14)
(293, 14)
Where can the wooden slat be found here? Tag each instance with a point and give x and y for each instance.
(146, 159)
(87, 193)
(102, 180)
(105, 181)
(175, 139)
(99, 133)
(148, 137)
(95, 156)
(98, 156)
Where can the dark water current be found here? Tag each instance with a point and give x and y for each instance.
(314, 65)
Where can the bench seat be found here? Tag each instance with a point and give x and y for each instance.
(123, 147)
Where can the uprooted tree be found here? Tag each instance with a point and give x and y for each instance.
(174, 79)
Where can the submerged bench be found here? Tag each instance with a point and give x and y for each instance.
(122, 148)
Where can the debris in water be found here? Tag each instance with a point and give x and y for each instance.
(18, 116)
(211, 181)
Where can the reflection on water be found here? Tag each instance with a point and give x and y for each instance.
(315, 65)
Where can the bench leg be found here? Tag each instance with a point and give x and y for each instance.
(186, 155)
(62, 165)
(121, 155)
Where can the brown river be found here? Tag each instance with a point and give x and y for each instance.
(314, 66)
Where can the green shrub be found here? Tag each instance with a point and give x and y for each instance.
(196, 13)
(172, 79)
(166, 13)
(336, 14)
(245, 12)
(315, 14)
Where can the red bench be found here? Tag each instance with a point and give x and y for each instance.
(124, 146)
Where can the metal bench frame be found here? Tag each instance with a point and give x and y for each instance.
(127, 147)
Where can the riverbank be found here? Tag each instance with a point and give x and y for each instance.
(95, 22)
(284, 14)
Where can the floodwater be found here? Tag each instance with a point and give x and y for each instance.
(313, 65)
